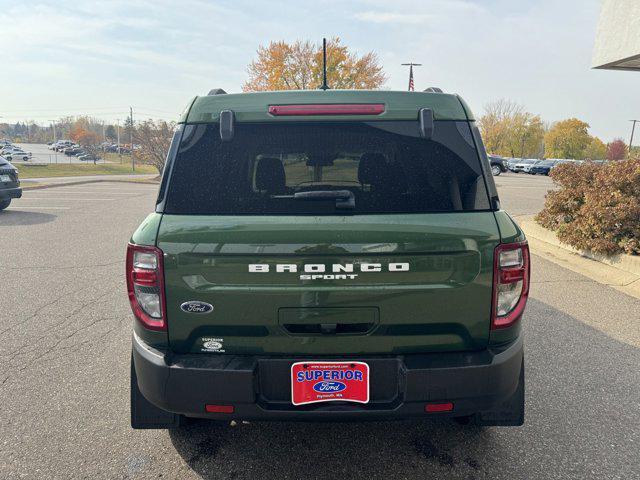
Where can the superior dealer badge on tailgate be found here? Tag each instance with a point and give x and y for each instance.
(313, 382)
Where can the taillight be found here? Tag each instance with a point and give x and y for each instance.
(511, 272)
(145, 285)
(327, 109)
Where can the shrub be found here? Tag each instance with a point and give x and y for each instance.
(596, 207)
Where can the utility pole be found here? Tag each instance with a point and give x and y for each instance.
(104, 133)
(133, 160)
(411, 65)
(53, 123)
(118, 140)
(633, 128)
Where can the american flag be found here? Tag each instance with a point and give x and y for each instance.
(411, 89)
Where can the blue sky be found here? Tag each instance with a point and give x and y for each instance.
(74, 57)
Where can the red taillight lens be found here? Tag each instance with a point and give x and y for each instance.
(327, 109)
(145, 285)
(511, 271)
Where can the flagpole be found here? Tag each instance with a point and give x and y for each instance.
(411, 65)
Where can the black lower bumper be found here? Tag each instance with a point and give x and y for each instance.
(259, 387)
(6, 193)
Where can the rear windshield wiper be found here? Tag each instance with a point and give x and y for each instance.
(344, 198)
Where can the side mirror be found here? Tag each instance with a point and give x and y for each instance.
(226, 125)
(425, 116)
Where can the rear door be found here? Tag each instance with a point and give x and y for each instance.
(328, 239)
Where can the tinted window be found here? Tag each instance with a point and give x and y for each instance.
(326, 169)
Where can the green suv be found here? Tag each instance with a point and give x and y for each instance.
(327, 255)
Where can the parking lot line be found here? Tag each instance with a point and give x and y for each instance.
(70, 198)
(22, 207)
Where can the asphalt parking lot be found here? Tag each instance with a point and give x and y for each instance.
(64, 371)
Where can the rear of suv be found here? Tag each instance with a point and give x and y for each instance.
(327, 255)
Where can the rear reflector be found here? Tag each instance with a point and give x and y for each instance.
(219, 408)
(327, 109)
(438, 407)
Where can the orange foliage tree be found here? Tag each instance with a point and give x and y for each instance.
(298, 66)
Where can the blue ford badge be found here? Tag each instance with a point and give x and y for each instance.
(329, 387)
(195, 306)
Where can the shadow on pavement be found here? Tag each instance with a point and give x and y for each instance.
(299, 450)
(11, 218)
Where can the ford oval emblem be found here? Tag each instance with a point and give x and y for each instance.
(195, 306)
(329, 387)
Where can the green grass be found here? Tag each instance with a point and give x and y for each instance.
(77, 169)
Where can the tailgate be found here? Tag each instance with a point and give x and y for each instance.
(384, 284)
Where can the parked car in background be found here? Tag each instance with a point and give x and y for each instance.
(523, 165)
(17, 154)
(9, 183)
(88, 157)
(73, 151)
(542, 167)
(498, 165)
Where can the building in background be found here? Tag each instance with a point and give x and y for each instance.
(617, 44)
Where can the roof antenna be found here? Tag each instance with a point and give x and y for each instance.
(324, 85)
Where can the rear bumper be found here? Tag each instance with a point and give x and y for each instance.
(15, 192)
(258, 387)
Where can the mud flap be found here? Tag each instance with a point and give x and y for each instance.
(145, 415)
(510, 413)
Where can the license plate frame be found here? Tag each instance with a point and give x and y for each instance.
(344, 381)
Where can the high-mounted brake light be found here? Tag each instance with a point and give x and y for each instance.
(327, 109)
(145, 285)
(511, 271)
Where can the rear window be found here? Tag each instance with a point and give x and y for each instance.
(326, 169)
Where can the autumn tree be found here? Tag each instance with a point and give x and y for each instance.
(596, 150)
(616, 150)
(84, 137)
(510, 131)
(567, 139)
(298, 66)
(153, 139)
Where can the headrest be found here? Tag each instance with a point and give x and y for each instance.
(371, 168)
(270, 175)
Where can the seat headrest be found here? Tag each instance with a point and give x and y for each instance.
(270, 175)
(371, 167)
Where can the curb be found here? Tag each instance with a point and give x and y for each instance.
(621, 272)
(84, 182)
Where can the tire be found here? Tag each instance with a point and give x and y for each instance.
(4, 204)
(145, 415)
(495, 170)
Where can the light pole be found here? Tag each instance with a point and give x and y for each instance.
(118, 139)
(53, 124)
(633, 128)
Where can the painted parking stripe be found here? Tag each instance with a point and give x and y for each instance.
(22, 207)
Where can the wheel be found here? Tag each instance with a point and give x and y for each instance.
(4, 203)
(495, 170)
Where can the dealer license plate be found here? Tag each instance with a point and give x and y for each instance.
(313, 382)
